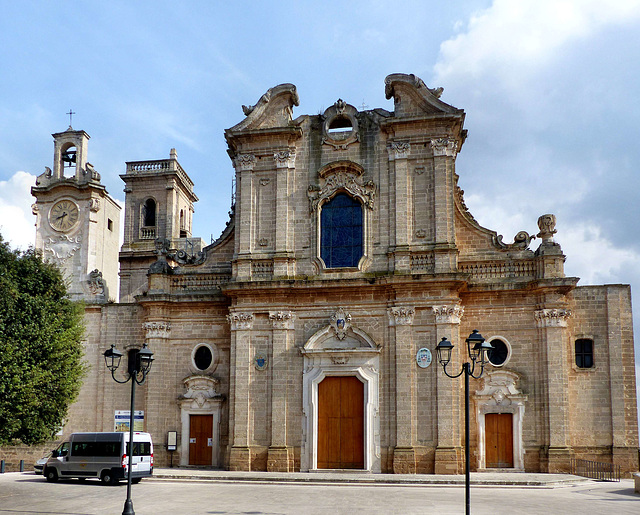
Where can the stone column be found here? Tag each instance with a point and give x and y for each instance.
(280, 455)
(404, 458)
(283, 262)
(444, 155)
(552, 327)
(240, 374)
(449, 452)
(398, 155)
(154, 393)
(244, 164)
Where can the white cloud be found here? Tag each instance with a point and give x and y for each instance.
(512, 39)
(16, 219)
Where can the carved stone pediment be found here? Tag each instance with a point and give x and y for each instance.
(200, 390)
(412, 96)
(499, 389)
(345, 178)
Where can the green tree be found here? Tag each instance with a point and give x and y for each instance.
(41, 354)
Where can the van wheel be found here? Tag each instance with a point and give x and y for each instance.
(107, 478)
(51, 474)
(135, 480)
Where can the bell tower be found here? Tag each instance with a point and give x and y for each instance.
(77, 221)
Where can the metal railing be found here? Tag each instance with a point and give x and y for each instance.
(595, 470)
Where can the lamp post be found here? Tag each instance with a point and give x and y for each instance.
(140, 362)
(477, 350)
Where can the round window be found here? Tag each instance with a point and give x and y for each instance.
(499, 354)
(203, 357)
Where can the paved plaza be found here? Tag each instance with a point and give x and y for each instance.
(251, 494)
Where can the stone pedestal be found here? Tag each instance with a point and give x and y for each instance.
(240, 459)
(280, 459)
(449, 460)
(404, 460)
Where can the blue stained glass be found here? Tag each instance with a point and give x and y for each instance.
(341, 232)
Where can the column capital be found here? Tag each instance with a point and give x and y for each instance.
(399, 150)
(240, 321)
(552, 317)
(285, 159)
(448, 314)
(157, 329)
(282, 319)
(444, 147)
(401, 315)
(245, 161)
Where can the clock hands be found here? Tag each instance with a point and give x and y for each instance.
(62, 216)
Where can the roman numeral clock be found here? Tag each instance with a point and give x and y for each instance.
(64, 215)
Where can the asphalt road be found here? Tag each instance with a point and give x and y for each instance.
(30, 494)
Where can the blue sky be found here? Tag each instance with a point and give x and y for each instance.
(549, 87)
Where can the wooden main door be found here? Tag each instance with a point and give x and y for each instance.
(341, 423)
(499, 440)
(200, 439)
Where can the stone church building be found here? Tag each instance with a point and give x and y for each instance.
(304, 337)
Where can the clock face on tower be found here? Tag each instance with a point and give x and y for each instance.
(63, 215)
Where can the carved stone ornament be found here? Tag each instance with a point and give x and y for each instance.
(421, 233)
(240, 321)
(444, 147)
(547, 226)
(183, 257)
(157, 329)
(399, 150)
(263, 242)
(340, 111)
(35, 207)
(95, 282)
(552, 317)
(339, 359)
(265, 181)
(61, 247)
(285, 159)
(521, 241)
(451, 314)
(342, 180)
(282, 319)
(340, 321)
(245, 161)
(94, 205)
(161, 246)
(200, 389)
(401, 315)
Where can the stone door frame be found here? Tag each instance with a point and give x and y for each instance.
(326, 354)
(499, 394)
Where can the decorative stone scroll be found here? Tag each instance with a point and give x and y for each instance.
(157, 329)
(240, 321)
(245, 161)
(340, 322)
(285, 159)
(401, 315)
(444, 147)
(282, 319)
(552, 317)
(399, 150)
(451, 314)
(342, 180)
(200, 389)
(521, 241)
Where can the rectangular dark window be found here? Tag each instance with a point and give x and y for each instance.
(584, 353)
(110, 224)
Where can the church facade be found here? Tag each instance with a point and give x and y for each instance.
(304, 337)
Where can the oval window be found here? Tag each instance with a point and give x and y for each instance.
(499, 354)
(203, 357)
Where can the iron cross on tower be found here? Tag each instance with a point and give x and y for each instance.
(70, 113)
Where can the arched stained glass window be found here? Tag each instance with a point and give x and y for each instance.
(341, 232)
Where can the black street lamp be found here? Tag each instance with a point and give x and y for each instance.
(477, 349)
(140, 362)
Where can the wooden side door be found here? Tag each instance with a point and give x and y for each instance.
(341, 423)
(499, 440)
(200, 439)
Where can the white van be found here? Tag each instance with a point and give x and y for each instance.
(101, 455)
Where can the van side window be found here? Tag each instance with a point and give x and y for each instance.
(96, 449)
(141, 448)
